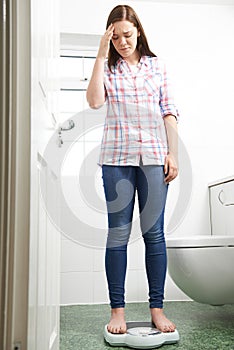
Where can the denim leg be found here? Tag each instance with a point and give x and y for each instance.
(152, 193)
(119, 188)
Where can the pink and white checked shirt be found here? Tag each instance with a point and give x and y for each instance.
(136, 103)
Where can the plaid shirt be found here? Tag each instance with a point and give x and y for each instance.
(136, 103)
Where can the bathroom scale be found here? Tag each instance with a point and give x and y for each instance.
(141, 335)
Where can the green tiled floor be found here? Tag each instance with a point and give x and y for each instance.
(201, 327)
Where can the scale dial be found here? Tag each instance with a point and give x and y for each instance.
(143, 331)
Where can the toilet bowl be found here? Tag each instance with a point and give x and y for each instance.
(203, 267)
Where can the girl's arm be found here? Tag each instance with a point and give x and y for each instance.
(171, 160)
(95, 94)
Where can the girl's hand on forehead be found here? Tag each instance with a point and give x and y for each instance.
(110, 30)
(105, 42)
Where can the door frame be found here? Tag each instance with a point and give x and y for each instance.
(15, 172)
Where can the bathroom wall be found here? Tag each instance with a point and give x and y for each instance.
(197, 44)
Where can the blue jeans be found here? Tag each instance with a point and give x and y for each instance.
(120, 186)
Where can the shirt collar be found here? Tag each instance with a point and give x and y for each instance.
(121, 62)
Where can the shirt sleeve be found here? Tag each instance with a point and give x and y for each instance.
(166, 102)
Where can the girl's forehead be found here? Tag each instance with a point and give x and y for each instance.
(122, 27)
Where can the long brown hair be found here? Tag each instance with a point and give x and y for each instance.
(126, 13)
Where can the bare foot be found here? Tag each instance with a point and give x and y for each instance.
(117, 322)
(161, 322)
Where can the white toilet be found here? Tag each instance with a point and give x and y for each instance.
(202, 266)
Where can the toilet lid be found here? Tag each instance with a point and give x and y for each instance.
(200, 241)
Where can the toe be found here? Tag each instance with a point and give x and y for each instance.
(172, 328)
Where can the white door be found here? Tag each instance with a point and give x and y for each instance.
(44, 282)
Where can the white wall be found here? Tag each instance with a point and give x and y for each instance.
(196, 42)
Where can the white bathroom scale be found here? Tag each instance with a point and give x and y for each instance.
(141, 335)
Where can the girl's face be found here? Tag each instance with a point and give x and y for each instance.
(124, 39)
